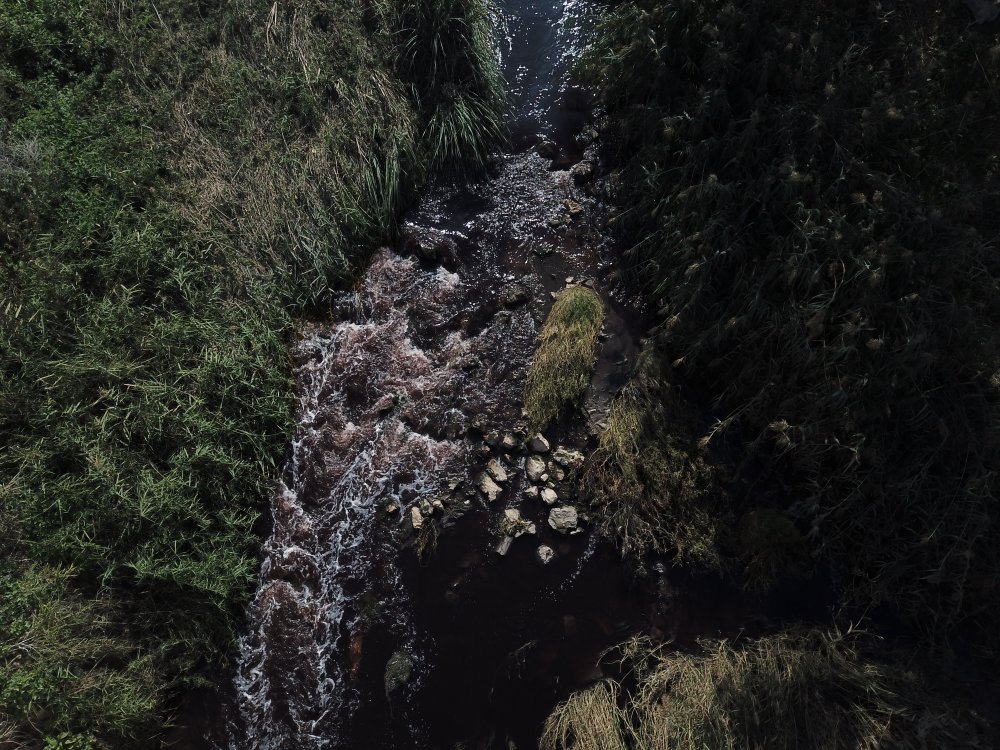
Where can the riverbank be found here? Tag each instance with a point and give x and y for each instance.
(179, 185)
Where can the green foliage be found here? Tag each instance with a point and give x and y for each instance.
(653, 485)
(811, 196)
(449, 52)
(177, 184)
(564, 361)
(800, 691)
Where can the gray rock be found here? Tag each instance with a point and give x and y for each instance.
(556, 471)
(538, 444)
(515, 295)
(492, 438)
(549, 497)
(488, 487)
(496, 470)
(504, 546)
(508, 443)
(563, 519)
(534, 467)
(567, 458)
(530, 493)
(417, 518)
(545, 554)
(398, 671)
(513, 515)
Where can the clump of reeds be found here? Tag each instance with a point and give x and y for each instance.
(802, 691)
(564, 360)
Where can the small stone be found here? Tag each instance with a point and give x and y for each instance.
(437, 504)
(496, 470)
(545, 478)
(391, 507)
(588, 283)
(569, 279)
(488, 487)
(426, 508)
(534, 467)
(567, 458)
(492, 438)
(563, 519)
(574, 208)
(556, 472)
(531, 529)
(549, 497)
(538, 444)
(515, 295)
(513, 515)
(545, 554)
(547, 149)
(509, 442)
(530, 493)
(416, 518)
(504, 546)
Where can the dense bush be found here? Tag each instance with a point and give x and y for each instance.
(177, 183)
(810, 198)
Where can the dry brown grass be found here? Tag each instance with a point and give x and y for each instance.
(804, 691)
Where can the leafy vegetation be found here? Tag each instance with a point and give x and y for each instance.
(802, 691)
(564, 360)
(809, 198)
(177, 183)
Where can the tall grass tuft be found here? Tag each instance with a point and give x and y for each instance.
(564, 360)
(800, 691)
(449, 51)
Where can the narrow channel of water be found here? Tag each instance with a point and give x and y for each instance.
(395, 392)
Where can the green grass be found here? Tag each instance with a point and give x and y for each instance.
(800, 691)
(808, 200)
(564, 360)
(177, 185)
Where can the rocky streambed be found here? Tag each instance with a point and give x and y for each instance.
(431, 578)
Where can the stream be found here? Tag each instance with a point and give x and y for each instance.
(396, 390)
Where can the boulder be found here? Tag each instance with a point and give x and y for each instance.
(582, 172)
(534, 468)
(538, 444)
(488, 487)
(398, 671)
(508, 443)
(549, 497)
(564, 519)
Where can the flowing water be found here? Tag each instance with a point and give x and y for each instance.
(395, 391)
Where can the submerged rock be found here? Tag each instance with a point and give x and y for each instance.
(582, 171)
(534, 468)
(398, 671)
(564, 519)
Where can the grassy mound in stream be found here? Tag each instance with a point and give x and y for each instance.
(810, 196)
(177, 184)
(564, 361)
(808, 691)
